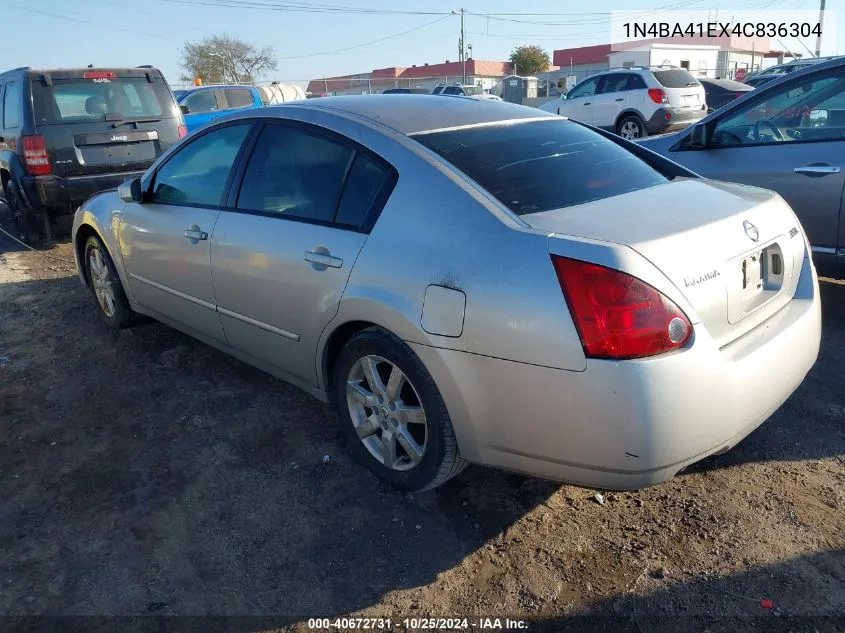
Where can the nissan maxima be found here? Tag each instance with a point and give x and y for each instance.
(470, 282)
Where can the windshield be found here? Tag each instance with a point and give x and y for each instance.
(80, 100)
(542, 165)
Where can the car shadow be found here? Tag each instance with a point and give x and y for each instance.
(779, 597)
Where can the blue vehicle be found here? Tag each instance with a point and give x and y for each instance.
(203, 104)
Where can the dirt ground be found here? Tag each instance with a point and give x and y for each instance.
(145, 474)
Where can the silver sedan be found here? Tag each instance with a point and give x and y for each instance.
(470, 282)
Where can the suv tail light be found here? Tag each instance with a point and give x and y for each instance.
(183, 130)
(617, 315)
(658, 95)
(35, 156)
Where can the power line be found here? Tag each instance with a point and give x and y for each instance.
(82, 21)
(300, 7)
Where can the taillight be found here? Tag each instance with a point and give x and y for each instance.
(35, 156)
(183, 131)
(658, 95)
(617, 315)
(99, 74)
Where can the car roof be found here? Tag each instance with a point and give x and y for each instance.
(412, 113)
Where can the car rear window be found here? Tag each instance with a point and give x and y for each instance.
(675, 78)
(80, 100)
(542, 165)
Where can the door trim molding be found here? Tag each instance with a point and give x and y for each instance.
(175, 293)
(259, 324)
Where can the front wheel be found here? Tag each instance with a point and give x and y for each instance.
(393, 414)
(631, 127)
(105, 284)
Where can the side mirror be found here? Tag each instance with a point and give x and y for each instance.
(130, 191)
(185, 109)
(698, 136)
(562, 96)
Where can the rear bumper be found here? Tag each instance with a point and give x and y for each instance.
(58, 192)
(677, 119)
(629, 424)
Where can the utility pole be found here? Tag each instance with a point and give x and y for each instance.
(462, 46)
(821, 26)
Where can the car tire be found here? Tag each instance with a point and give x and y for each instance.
(630, 127)
(104, 283)
(28, 232)
(389, 418)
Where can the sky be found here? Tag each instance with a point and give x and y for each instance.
(68, 33)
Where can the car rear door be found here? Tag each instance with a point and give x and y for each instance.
(283, 252)
(165, 239)
(103, 121)
(610, 99)
(806, 166)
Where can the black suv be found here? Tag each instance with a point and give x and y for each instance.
(66, 134)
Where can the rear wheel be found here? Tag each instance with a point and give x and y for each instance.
(28, 229)
(631, 127)
(105, 284)
(393, 414)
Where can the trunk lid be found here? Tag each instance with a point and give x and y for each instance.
(683, 91)
(104, 121)
(734, 252)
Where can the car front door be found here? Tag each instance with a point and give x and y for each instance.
(609, 100)
(203, 106)
(578, 104)
(164, 239)
(791, 139)
(282, 255)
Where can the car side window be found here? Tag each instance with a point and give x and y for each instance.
(451, 90)
(366, 180)
(295, 173)
(238, 98)
(613, 83)
(12, 107)
(198, 172)
(438, 90)
(202, 101)
(585, 89)
(794, 112)
(635, 82)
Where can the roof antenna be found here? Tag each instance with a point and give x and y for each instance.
(90, 65)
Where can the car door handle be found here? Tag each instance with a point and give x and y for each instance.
(323, 259)
(816, 169)
(621, 99)
(194, 233)
(587, 102)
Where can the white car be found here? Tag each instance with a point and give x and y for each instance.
(458, 90)
(635, 102)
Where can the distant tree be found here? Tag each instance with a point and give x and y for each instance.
(529, 60)
(224, 59)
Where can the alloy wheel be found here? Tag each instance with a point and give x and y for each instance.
(101, 281)
(387, 412)
(629, 130)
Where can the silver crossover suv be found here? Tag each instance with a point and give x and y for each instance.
(470, 282)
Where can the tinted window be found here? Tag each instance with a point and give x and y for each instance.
(198, 172)
(80, 100)
(295, 173)
(635, 82)
(437, 90)
(584, 89)
(238, 98)
(202, 101)
(12, 106)
(451, 90)
(366, 180)
(613, 83)
(675, 78)
(543, 165)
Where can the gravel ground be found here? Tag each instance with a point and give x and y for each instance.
(144, 473)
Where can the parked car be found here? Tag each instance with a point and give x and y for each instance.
(788, 135)
(722, 91)
(458, 90)
(535, 310)
(634, 102)
(66, 134)
(206, 103)
(406, 91)
(774, 72)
